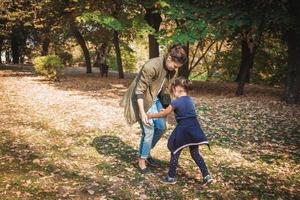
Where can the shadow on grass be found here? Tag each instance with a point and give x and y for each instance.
(22, 170)
(19, 167)
(247, 183)
(113, 146)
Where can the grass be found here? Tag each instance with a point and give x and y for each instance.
(66, 141)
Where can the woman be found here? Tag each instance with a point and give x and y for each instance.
(149, 93)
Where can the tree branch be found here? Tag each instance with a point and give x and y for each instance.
(194, 53)
(193, 66)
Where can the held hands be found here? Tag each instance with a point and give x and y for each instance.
(145, 119)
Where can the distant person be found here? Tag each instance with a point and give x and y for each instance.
(104, 69)
(187, 133)
(149, 93)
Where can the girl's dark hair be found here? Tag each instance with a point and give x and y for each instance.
(182, 82)
(177, 54)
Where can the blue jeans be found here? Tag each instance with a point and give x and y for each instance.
(151, 134)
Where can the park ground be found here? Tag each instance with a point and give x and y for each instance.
(69, 140)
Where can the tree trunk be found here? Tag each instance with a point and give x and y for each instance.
(239, 76)
(15, 47)
(245, 66)
(118, 53)
(184, 70)
(245, 59)
(154, 20)
(7, 56)
(45, 46)
(1, 45)
(83, 46)
(23, 39)
(292, 88)
(153, 46)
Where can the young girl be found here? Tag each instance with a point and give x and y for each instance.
(187, 133)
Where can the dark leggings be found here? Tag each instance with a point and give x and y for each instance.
(196, 157)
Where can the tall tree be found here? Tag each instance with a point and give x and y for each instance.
(115, 13)
(118, 53)
(292, 89)
(249, 46)
(154, 19)
(185, 69)
(45, 45)
(247, 21)
(3, 33)
(120, 19)
(16, 44)
(45, 18)
(75, 31)
(1, 46)
(17, 17)
(71, 10)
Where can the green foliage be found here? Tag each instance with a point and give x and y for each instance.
(187, 23)
(128, 59)
(50, 66)
(129, 24)
(201, 77)
(106, 21)
(141, 27)
(230, 61)
(270, 64)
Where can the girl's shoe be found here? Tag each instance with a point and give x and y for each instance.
(168, 180)
(207, 180)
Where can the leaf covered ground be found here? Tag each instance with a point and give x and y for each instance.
(69, 140)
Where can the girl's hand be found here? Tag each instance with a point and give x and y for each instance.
(149, 116)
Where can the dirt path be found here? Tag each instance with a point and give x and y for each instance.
(69, 140)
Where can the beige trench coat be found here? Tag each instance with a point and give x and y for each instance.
(151, 79)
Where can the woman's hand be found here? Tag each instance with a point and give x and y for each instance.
(145, 119)
(143, 114)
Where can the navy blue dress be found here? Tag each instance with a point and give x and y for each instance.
(188, 131)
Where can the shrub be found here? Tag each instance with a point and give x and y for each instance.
(50, 66)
